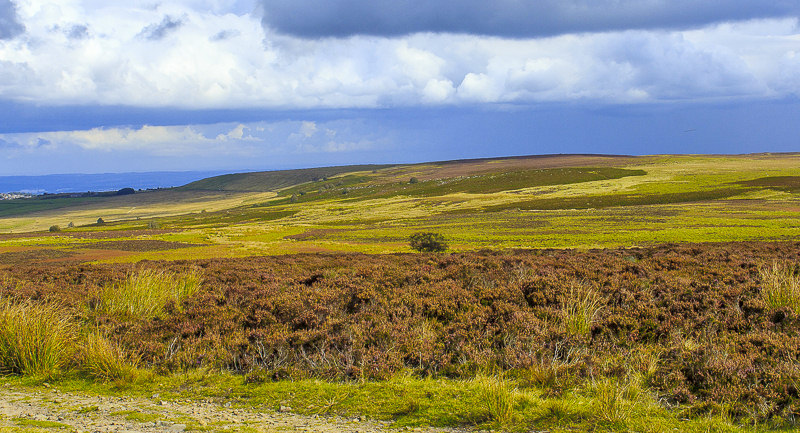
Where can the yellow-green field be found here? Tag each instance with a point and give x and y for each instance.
(569, 201)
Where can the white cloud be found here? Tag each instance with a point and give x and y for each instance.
(197, 54)
(284, 137)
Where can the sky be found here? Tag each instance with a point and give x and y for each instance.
(97, 86)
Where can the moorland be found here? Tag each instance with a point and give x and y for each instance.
(579, 292)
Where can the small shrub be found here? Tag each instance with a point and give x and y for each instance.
(54, 228)
(102, 359)
(70, 225)
(144, 294)
(413, 180)
(580, 308)
(428, 242)
(781, 286)
(35, 339)
(100, 221)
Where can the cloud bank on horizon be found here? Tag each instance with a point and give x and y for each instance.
(310, 56)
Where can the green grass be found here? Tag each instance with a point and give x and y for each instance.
(354, 188)
(580, 308)
(144, 294)
(629, 202)
(35, 339)
(131, 415)
(16, 207)
(408, 401)
(103, 360)
(780, 286)
(273, 180)
(24, 422)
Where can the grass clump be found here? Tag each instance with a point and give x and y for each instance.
(35, 339)
(145, 293)
(24, 422)
(101, 359)
(781, 286)
(614, 401)
(499, 399)
(580, 308)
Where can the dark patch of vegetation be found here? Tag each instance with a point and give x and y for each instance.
(17, 258)
(140, 245)
(428, 242)
(126, 191)
(689, 320)
(234, 216)
(38, 203)
(611, 200)
(781, 183)
(54, 228)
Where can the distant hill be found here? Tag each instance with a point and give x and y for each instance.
(272, 180)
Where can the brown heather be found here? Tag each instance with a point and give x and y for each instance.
(686, 322)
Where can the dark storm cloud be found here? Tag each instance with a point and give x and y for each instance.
(155, 32)
(509, 18)
(9, 22)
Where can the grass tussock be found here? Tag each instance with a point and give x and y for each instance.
(35, 339)
(145, 293)
(102, 359)
(580, 308)
(498, 397)
(614, 400)
(781, 286)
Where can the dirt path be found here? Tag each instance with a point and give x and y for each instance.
(47, 409)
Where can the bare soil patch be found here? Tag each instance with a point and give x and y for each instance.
(78, 412)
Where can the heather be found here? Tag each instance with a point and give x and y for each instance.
(688, 323)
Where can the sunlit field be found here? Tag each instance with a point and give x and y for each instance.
(544, 202)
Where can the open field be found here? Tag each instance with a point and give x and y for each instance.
(535, 202)
(580, 293)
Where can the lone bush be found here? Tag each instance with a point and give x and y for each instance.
(100, 221)
(413, 180)
(428, 242)
(54, 229)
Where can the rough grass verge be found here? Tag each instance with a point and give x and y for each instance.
(35, 339)
(145, 293)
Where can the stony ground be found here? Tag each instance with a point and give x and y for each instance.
(47, 409)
